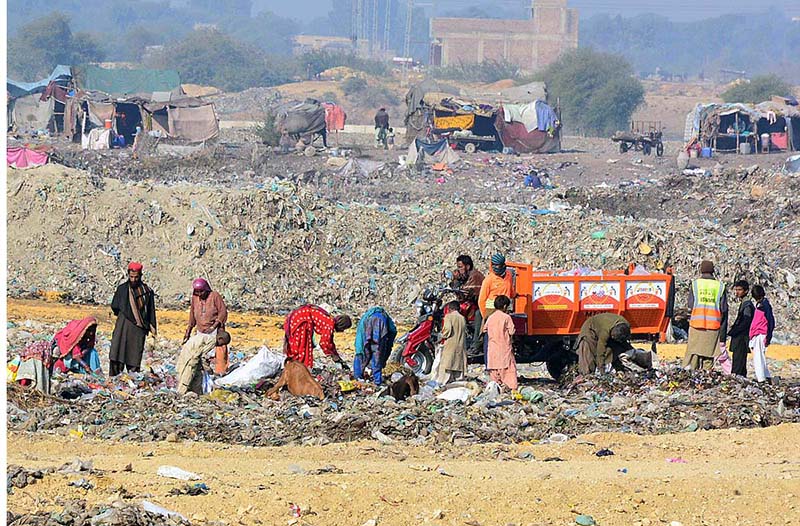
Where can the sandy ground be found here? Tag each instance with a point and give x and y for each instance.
(731, 477)
(248, 329)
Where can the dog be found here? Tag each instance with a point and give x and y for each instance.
(298, 380)
(407, 386)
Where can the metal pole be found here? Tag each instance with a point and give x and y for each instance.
(387, 18)
(373, 42)
(407, 41)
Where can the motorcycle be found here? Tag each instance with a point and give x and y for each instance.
(417, 347)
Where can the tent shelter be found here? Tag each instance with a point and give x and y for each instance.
(782, 122)
(532, 127)
(42, 105)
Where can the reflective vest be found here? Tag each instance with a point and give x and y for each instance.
(706, 313)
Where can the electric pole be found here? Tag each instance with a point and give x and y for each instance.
(387, 17)
(373, 42)
(407, 41)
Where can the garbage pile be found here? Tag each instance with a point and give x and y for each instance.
(251, 103)
(119, 513)
(284, 244)
(663, 401)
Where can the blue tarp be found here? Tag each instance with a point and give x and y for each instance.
(20, 89)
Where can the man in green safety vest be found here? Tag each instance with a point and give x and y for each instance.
(708, 319)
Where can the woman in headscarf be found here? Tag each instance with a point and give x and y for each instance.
(71, 350)
(75, 344)
(208, 313)
(300, 326)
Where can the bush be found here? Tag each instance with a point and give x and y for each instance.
(597, 91)
(210, 57)
(487, 71)
(352, 85)
(330, 96)
(757, 90)
(267, 132)
(379, 96)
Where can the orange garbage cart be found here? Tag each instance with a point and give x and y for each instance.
(551, 307)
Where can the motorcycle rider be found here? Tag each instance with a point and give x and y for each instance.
(467, 278)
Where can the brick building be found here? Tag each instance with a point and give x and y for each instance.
(530, 44)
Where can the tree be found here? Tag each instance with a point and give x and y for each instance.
(210, 57)
(597, 91)
(136, 41)
(757, 90)
(46, 42)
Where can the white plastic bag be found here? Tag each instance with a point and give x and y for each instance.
(265, 364)
(173, 472)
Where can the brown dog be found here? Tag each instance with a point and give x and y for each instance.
(407, 386)
(298, 380)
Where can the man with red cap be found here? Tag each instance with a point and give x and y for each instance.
(207, 312)
(300, 326)
(134, 305)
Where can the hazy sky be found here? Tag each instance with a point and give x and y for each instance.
(675, 9)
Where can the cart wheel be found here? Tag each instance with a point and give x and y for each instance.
(470, 147)
(310, 151)
(623, 147)
(660, 149)
(647, 148)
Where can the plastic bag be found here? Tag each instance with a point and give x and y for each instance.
(11, 370)
(173, 472)
(724, 361)
(265, 364)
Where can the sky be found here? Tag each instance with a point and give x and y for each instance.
(674, 9)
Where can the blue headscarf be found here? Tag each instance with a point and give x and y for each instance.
(499, 265)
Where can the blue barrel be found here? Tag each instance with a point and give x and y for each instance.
(705, 152)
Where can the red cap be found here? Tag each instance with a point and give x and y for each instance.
(135, 266)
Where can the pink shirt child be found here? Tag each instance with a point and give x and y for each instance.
(500, 355)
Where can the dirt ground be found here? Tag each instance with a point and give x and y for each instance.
(248, 329)
(731, 477)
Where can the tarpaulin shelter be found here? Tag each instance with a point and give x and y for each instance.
(431, 152)
(782, 122)
(121, 81)
(62, 74)
(301, 118)
(184, 119)
(189, 119)
(39, 106)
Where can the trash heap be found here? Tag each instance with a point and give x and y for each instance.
(281, 245)
(662, 401)
(78, 513)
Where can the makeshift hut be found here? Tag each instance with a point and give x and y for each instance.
(38, 107)
(782, 122)
(438, 152)
(722, 127)
(768, 126)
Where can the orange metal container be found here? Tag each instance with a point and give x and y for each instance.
(554, 305)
